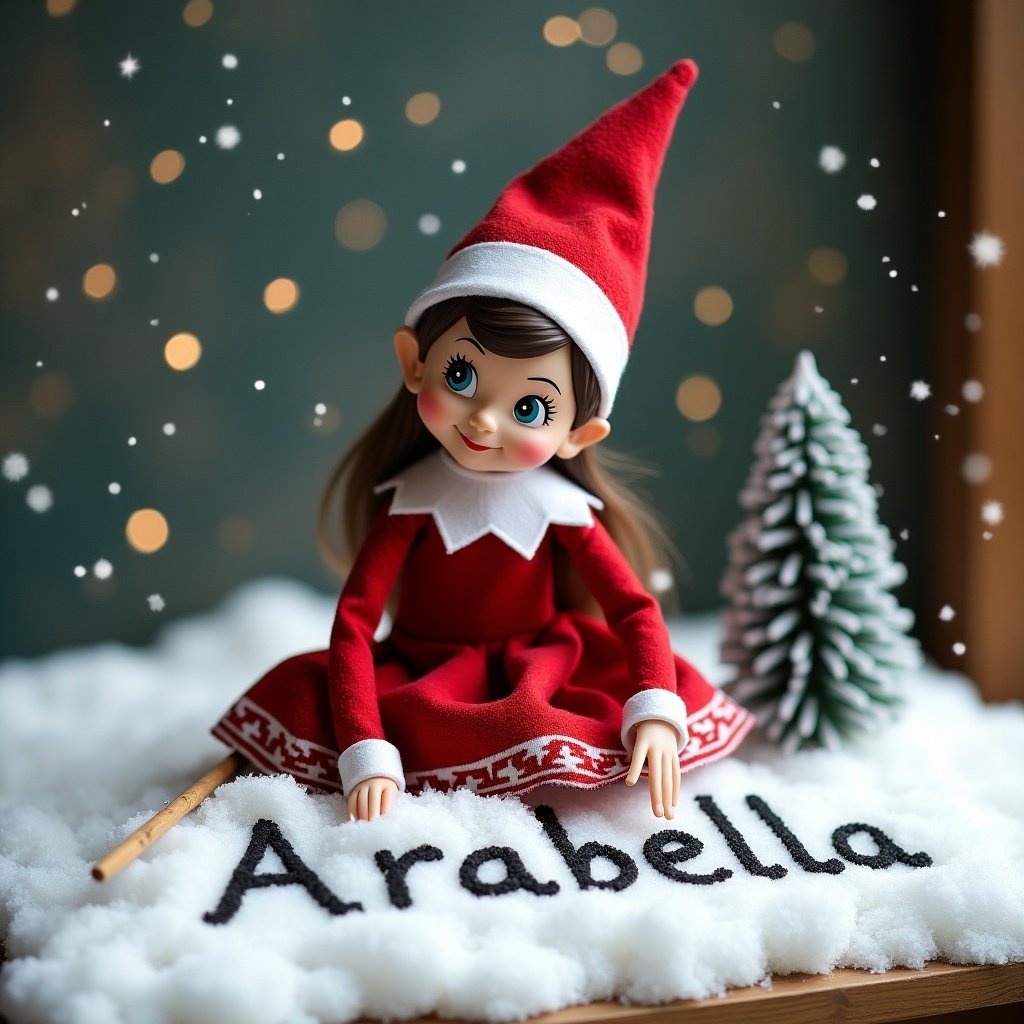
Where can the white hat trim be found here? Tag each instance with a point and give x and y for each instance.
(550, 284)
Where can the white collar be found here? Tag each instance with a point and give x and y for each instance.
(517, 508)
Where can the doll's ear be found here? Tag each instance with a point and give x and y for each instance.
(583, 436)
(407, 348)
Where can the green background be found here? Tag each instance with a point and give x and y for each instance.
(742, 204)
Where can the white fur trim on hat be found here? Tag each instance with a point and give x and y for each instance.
(551, 285)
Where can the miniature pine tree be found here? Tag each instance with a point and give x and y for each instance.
(817, 638)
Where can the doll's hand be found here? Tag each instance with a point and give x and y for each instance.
(371, 798)
(657, 743)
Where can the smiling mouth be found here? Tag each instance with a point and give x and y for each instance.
(473, 446)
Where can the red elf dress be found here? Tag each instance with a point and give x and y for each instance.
(483, 681)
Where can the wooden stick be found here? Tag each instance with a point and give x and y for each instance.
(124, 853)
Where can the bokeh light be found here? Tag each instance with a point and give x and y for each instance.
(197, 13)
(99, 281)
(423, 107)
(624, 59)
(827, 266)
(147, 530)
(58, 8)
(346, 135)
(182, 351)
(561, 31)
(597, 26)
(712, 306)
(281, 295)
(166, 166)
(360, 225)
(51, 394)
(698, 397)
(794, 42)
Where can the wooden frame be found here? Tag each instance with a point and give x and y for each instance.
(979, 83)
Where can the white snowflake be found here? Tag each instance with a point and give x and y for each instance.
(230, 61)
(879, 430)
(831, 159)
(15, 466)
(259, 385)
(130, 67)
(987, 249)
(156, 603)
(976, 468)
(52, 295)
(102, 570)
(39, 498)
(228, 136)
(661, 581)
(458, 166)
(946, 613)
(992, 513)
(867, 202)
(430, 224)
(973, 390)
(920, 390)
(959, 648)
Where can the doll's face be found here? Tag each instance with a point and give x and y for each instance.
(493, 413)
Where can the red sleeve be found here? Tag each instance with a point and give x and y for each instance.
(350, 670)
(632, 613)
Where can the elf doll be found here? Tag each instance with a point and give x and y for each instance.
(477, 504)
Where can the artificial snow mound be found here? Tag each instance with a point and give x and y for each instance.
(93, 741)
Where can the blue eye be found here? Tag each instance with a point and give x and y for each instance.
(460, 376)
(533, 411)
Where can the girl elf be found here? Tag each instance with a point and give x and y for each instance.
(476, 494)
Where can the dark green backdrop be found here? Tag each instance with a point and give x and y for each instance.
(742, 205)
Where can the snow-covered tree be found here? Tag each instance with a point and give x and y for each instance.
(818, 640)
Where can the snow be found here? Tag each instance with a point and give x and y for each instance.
(39, 498)
(992, 513)
(867, 202)
(156, 603)
(920, 390)
(102, 569)
(946, 613)
(973, 390)
(831, 159)
(430, 224)
(987, 249)
(230, 61)
(15, 467)
(228, 136)
(976, 468)
(124, 730)
(129, 67)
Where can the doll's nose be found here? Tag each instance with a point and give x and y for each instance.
(484, 421)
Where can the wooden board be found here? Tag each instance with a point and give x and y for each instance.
(853, 997)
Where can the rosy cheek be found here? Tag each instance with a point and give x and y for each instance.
(428, 405)
(531, 453)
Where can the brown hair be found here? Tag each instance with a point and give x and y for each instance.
(397, 438)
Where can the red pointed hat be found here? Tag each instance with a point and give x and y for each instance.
(570, 237)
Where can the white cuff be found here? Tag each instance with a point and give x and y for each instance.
(369, 758)
(649, 705)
